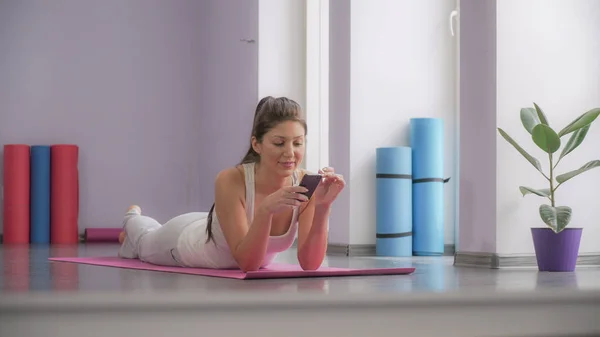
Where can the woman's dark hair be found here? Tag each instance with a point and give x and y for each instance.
(269, 112)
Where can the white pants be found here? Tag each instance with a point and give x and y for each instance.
(155, 243)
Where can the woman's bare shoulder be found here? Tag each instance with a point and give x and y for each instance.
(231, 178)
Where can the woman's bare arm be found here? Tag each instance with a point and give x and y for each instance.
(248, 244)
(312, 236)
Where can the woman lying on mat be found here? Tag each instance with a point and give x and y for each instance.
(259, 206)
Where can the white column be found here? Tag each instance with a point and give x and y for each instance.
(317, 83)
(282, 51)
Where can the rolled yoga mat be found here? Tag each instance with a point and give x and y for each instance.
(394, 202)
(40, 194)
(102, 234)
(64, 203)
(16, 181)
(427, 143)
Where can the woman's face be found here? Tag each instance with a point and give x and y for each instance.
(282, 148)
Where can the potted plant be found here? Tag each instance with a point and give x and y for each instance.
(556, 246)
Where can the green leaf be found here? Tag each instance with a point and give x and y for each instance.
(566, 176)
(576, 139)
(556, 218)
(541, 115)
(544, 192)
(529, 118)
(545, 138)
(532, 160)
(581, 121)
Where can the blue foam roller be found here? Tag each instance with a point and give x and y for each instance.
(40, 194)
(427, 143)
(394, 202)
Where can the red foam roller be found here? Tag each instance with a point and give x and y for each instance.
(16, 182)
(64, 203)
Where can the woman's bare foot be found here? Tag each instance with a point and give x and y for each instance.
(133, 209)
(127, 250)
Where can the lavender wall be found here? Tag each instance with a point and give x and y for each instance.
(339, 113)
(159, 95)
(477, 220)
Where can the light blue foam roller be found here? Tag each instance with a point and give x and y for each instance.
(427, 143)
(394, 202)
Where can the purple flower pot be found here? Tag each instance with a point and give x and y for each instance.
(556, 251)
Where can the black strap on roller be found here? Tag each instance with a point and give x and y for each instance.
(408, 176)
(394, 176)
(431, 180)
(393, 235)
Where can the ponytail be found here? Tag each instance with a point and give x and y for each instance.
(250, 157)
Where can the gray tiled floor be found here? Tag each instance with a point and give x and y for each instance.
(26, 268)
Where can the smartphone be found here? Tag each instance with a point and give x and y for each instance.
(310, 182)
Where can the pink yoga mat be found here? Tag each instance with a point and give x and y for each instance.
(273, 271)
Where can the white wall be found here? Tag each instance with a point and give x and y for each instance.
(293, 62)
(548, 51)
(282, 49)
(402, 66)
(317, 84)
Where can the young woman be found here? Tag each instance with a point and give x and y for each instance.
(259, 207)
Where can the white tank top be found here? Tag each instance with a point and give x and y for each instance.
(194, 251)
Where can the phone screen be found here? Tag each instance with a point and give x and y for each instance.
(310, 182)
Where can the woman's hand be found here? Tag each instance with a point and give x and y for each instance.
(284, 198)
(330, 187)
